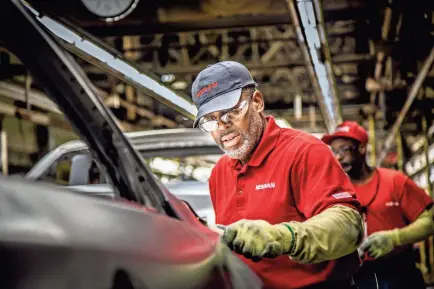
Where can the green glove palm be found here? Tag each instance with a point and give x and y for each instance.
(258, 239)
(380, 243)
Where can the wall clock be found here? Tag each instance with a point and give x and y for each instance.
(110, 10)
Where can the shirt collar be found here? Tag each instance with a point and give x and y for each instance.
(266, 145)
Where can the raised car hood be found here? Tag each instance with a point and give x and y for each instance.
(67, 85)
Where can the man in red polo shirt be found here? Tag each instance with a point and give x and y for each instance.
(396, 211)
(288, 207)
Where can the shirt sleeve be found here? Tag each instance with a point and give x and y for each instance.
(318, 182)
(414, 200)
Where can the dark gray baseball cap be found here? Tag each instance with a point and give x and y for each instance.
(218, 87)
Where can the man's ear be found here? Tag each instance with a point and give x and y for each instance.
(258, 101)
(363, 149)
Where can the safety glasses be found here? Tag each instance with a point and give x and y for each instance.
(209, 125)
(343, 150)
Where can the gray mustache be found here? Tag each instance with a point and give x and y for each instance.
(226, 133)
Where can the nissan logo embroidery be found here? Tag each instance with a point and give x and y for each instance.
(265, 186)
(206, 89)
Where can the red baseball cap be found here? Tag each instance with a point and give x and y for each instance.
(347, 129)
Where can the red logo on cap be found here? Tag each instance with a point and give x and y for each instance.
(206, 89)
(343, 129)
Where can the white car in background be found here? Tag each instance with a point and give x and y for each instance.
(194, 152)
(197, 195)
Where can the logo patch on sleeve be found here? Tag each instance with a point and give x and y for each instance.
(342, 195)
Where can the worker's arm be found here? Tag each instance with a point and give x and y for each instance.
(416, 207)
(381, 243)
(329, 235)
(419, 230)
(323, 193)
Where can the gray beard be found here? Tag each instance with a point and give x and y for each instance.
(250, 138)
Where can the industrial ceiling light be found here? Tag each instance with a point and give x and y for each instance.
(168, 78)
(179, 85)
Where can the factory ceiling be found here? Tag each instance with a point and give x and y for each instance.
(316, 62)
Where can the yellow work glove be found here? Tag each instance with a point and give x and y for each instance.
(380, 243)
(257, 239)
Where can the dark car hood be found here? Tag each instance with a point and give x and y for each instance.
(45, 215)
(46, 233)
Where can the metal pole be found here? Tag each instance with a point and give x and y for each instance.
(411, 96)
(328, 59)
(426, 155)
(427, 171)
(399, 152)
(372, 140)
(330, 120)
(4, 152)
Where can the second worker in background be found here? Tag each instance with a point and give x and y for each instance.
(397, 214)
(289, 208)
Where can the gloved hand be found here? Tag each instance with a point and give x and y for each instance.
(380, 243)
(361, 253)
(256, 239)
(219, 229)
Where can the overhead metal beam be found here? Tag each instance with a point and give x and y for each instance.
(335, 106)
(93, 50)
(351, 112)
(411, 96)
(324, 92)
(252, 66)
(277, 41)
(155, 119)
(36, 98)
(143, 27)
(40, 100)
(34, 117)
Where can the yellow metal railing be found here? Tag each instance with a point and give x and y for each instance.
(372, 140)
(426, 264)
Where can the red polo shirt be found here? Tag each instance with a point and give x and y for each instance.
(291, 176)
(392, 200)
